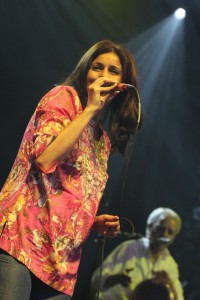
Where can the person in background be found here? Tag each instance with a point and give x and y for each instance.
(50, 199)
(134, 261)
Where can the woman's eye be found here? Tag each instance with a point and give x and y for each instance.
(114, 71)
(96, 68)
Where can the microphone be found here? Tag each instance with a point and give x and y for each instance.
(125, 86)
(120, 87)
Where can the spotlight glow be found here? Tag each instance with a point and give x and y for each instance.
(180, 13)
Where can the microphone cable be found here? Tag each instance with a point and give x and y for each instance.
(130, 152)
(123, 233)
(100, 268)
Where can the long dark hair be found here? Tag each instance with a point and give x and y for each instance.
(124, 109)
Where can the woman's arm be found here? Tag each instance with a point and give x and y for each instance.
(65, 140)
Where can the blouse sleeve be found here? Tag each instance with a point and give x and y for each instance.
(54, 112)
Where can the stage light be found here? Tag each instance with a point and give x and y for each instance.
(180, 13)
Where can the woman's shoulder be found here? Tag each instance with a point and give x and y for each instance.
(61, 89)
(60, 97)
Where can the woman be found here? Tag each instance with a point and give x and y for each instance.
(49, 202)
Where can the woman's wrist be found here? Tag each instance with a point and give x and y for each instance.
(91, 109)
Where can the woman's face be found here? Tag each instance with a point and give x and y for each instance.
(105, 65)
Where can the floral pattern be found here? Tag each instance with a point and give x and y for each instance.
(45, 217)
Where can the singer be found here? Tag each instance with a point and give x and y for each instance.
(133, 262)
(49, 202)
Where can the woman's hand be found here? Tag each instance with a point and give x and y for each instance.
(101, 91)
(107, 225)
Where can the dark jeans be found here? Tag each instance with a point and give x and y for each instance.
(18, 283)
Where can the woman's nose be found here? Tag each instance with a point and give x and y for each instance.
(104, 73)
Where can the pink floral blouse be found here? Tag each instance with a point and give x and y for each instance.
(45, 217)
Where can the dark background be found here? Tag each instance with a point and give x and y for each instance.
(40, 43)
